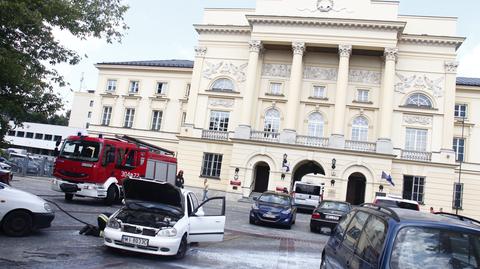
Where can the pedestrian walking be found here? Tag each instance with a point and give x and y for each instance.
(179, 181)
(205, 190)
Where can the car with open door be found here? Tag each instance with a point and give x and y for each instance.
(161, 219)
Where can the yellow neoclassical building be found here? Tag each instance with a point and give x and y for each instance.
(339, 90)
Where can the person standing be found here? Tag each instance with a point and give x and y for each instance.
(179, 181)
(205, 190)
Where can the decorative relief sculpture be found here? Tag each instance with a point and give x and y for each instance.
(221, 102)
(320, 73)
(345, 50)
(419, 82)
(324, 6)
(255, 46)
(277, 70)
(451, 67)
(365, 76)
(298, 48)
(391, 54)
(416, 119)
(200, 51)
(224, 68)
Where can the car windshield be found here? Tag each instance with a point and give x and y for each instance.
(275, 199)
(418, 247)
(81, 150)
(334, 206)
(307, 189)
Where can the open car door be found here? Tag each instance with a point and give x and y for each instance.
(207, 223)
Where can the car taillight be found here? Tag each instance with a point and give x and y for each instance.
(418, 208)
(315, 215)
(375, 201)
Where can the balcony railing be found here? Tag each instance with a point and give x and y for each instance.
(312, 141)
(417, 155)
(215, 135)
(360, 146)
(265, 136)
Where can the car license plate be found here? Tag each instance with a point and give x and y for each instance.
(268, 215)
(331, 217)
(135, 241)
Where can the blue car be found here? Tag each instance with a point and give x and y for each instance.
(273, 208)
(373, 236)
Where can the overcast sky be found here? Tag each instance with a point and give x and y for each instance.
(161, 29)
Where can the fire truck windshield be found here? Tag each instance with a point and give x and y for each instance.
(81, 150)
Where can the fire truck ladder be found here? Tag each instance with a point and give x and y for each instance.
(151, 147)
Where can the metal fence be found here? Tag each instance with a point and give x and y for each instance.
(32, 166)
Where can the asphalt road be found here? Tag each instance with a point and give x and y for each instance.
(244, 245)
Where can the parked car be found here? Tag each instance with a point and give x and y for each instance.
(328, 214)
(6, 176)
(398, 202)
(161, 219)
(273, 208)
(372, 236)
(5, 166)
(22, 212)
(307, 195)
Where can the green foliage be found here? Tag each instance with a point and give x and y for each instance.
(27, 46)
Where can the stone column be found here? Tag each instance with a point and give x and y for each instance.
(338, 135)
(448, 110)
(200, 53)
(384, 143)
(244, 128)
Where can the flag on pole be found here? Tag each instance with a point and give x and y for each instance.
(388, 178)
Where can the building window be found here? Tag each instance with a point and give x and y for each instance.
(161, 88)
(223, 85)
(38, 136)
(187, 90)
(360, 129)
(319, 92)
(184, 118)
(57, 138)
(272, 121)
(419, 100)
(457, 195)
(157, 120)
(29, 135)
(460, 110)
(212, 165)
(111, 87)
(129, 116)
(134, 85)
(362, 96)
(89, 115)
(416, 139)
(459, 148)
(414, 188)
(20, 134)
(91, 103)
(48, 137)
(315, 124)
(11, 133)
(107, 115)
(275, 88)
(87, 125)
(219, 121)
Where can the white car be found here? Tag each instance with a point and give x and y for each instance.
(161, 219)
(396, 201)
(22, 212)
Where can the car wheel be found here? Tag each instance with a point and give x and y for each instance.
(252, 221)
(68, 197)
(112, 195)
(323, 264)
(182, 249)
(17, 223)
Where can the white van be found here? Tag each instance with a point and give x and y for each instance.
(307, 195)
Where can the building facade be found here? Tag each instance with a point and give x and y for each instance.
(345, 90)
(82, 109)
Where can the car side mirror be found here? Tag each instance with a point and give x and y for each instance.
(255, 198)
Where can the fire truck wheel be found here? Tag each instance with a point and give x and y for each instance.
(112, 195)
(68, 197)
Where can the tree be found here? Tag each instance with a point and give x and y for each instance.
(28, 50)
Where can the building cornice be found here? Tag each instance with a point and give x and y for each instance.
(146, 68)
(223, 29)
(336, 22)
(431, 39)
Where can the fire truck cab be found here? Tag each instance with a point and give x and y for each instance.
(96, 166)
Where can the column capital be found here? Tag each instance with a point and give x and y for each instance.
(451, 66)
(345, 50)
(200, 51)
(391, 54)
(298, 48)
(255, 45)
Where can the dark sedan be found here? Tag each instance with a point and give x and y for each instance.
(328, 214)
(6, 176)
(273, 208)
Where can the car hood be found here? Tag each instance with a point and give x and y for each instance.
(9, 192)
(153, 192)
(274, 208)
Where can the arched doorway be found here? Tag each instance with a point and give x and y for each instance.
(356, 189)
(306, 168)
(262, 174)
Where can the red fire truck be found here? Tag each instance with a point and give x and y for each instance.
(96, 166)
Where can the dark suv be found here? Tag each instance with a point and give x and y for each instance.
(373, 236)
